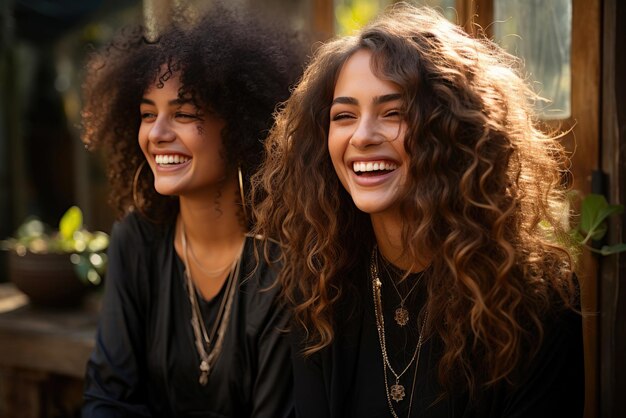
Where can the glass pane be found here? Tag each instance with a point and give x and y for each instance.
(447, 7)
(540, 33)
(350, 15)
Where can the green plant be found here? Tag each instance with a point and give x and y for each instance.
(595, 211)
(87, 250)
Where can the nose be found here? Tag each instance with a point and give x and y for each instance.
(161, 131)
(367, 132)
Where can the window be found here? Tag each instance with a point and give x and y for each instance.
(540, 33)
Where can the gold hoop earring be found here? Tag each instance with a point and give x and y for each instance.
(243, 200)
(137, 206)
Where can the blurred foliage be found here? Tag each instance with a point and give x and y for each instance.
(595, 211)
(351, 15)
(87, 250)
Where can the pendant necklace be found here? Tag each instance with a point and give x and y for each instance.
(401, 314)
(203, 341)
(397, 391)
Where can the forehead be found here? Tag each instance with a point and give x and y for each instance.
(356, 78)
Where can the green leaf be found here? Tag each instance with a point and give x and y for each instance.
(610, 210)
(613, 249)
(597, 233)
(595, 210)
(591, 206)
(71, 222)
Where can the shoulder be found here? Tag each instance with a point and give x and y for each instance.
(262, 261)
(259, 290)
(563, 326)
(134, 230)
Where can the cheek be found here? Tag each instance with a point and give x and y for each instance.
(336, 151)
(142, 140)
(209, 135)
(406, 160)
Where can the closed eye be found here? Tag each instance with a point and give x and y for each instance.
(341, 116)
(393, 113)
(185, 115)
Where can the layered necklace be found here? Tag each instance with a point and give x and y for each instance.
(396, 391)
(209, 346)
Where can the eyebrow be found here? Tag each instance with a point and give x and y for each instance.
(377, 100)
(171, 102)
(387, 98)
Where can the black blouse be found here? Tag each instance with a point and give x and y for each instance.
(145, 362)
(347, 380)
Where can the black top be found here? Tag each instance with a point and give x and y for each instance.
(145, 362)
(346, 379)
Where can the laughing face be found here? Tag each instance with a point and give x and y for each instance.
(366, 136)
(182, 144)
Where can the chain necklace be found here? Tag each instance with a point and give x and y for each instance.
(210, 273)
(401, 314)
(203, 340)
(396, 391)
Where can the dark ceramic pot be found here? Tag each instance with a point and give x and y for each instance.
(47, 279)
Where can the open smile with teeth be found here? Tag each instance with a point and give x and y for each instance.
(170, 159)
(373, 167)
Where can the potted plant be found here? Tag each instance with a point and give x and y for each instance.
(56, 267)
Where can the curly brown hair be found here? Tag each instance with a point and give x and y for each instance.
(484, 194)
(238, 64)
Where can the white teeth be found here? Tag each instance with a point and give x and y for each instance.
(360, 166)
(170, 159)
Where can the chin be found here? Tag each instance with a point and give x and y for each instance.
(165, 191)
(376, 204)
(370, 207)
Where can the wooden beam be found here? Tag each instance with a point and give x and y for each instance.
(612, 378)
(323, 21)
(584, 142)
(476, 16)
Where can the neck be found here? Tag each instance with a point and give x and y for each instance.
(214, 235)
(388, 233)
(214, 217)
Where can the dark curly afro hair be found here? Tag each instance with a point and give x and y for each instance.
(233, 63)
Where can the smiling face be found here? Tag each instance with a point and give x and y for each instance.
(366, 136)
(182, 144)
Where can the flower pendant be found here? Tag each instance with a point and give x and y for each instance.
(401, 316)
(397, 392)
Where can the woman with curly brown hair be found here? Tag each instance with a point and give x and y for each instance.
(419, 210)
(190, 323)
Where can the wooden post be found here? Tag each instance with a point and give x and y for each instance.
(323, 22)
(612, 377)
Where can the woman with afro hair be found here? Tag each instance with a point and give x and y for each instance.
(419, 210)
(190, 323)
